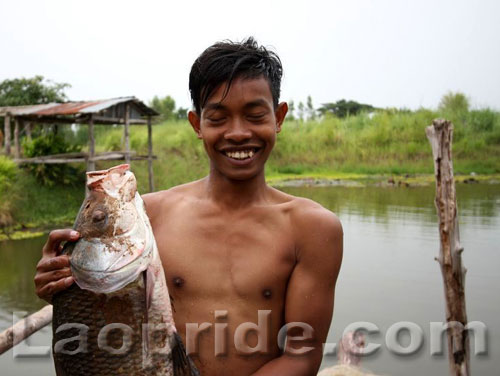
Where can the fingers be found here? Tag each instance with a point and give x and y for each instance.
(53, 263)
(47, 291)
(56, 237)
(42, 279)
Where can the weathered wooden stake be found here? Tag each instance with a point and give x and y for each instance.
(440, 135)
(150, 156)
(6, 133)
(90, 160)
(24, 328)
(126, 133)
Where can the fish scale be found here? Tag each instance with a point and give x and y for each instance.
(80, 307)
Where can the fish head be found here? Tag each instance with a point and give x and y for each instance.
(109, 208)
(115, 234)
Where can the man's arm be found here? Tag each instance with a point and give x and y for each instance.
(310, 292)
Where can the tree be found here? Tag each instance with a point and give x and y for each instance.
(301, 109)
(181, 113)
(28, 91)
(291, 110)
(164, 106)
(454, 102)
(343, 108)
(311, 112)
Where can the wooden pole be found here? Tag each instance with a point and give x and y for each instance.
(24, 328)
(150, 156)
(6, 133)
(90, 160)
(440, 135)
(126, 133)
(17, 145)
(28, 130)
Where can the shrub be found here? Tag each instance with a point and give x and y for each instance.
(8, 173)
(482, 120)
(51, 174)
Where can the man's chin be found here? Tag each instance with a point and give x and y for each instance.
(239, 174)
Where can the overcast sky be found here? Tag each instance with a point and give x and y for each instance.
(388, 53)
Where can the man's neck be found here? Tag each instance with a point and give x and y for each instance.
(234, 194)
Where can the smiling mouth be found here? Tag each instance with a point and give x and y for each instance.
(240, 154)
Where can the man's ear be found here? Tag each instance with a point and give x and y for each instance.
(280, 114)
(194, 119)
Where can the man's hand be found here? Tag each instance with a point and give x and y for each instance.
(53, 273)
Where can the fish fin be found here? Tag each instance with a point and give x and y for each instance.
(183, 365)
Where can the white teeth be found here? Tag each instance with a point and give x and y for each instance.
(244, 154)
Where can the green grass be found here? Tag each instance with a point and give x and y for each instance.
(358, 147)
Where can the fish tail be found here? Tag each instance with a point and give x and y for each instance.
(183, 365)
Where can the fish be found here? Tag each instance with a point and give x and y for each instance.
(116, 319)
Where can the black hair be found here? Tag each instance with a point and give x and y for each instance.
(226, 61)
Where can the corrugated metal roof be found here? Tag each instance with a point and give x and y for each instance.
(74, 108)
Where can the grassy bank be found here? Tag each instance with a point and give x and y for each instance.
(355, 148)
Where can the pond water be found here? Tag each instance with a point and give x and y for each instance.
(388, 275)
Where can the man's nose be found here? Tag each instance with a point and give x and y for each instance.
(237, 131)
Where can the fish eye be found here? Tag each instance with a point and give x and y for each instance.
(98, 216)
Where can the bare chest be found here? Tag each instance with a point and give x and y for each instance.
(216, 258)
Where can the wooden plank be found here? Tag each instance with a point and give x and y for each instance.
(116, 120)
(150, 156)
(58, 160)
(17, 145)
(6, 134)
(68, 120)
(91, 161)
(126, 133)
(440, 135)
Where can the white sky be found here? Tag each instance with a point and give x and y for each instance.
(388, 53)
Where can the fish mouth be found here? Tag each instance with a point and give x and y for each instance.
(109, 281)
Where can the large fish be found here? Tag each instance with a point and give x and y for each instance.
(117, 318)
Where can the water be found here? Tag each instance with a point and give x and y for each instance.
(388, 274)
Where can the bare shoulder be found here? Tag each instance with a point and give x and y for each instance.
(309, 217)
(318, 231)
(162, 202)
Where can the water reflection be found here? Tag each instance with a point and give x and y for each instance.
(17, 269)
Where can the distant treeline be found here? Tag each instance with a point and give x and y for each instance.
(339, 137)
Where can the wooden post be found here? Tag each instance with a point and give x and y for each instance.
(27, 127)
(440, 135)
(90, 160)
(150, 156)
(126, 134)
(24, 328)
(17, 146)
(6, 133)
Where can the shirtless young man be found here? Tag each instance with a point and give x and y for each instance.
(237, 252)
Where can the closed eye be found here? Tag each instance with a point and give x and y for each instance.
(216, 120)
(256, 117)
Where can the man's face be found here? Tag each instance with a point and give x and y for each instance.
(239, 130)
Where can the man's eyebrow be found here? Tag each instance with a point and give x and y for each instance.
(214, 106)
(257, 103)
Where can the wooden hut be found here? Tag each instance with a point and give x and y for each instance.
(123, 110)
